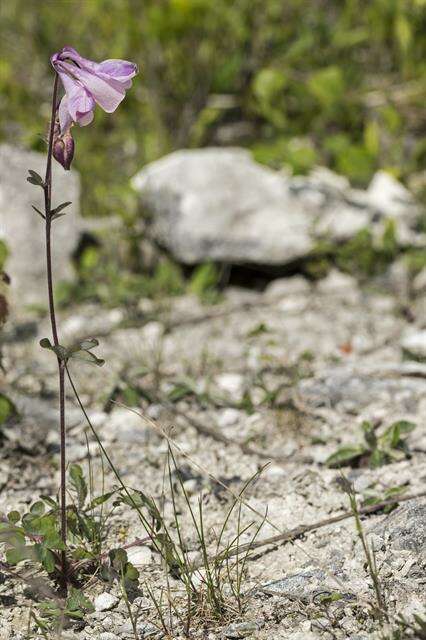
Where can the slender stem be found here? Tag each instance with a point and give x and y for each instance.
(61, 371)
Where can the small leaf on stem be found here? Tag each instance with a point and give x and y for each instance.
(35, 178)
(59, 208)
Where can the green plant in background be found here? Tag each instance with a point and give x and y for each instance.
(340, 83)
(376, 450)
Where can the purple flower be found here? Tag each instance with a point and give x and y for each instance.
(88, 83)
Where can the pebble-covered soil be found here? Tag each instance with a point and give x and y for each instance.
(259, 385)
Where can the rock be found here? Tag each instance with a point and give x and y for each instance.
(105, 601)
(399, 278)
(405, 528)
(284, 287)
(228, 417)
(139, 556)
(126, 427)
(22, 229)
(419, 282)
(337, 283)
(414, 345)
(218, 204)
(232, 384)
(345, 388)
(390, 197)
(241, 630)
(301, 586)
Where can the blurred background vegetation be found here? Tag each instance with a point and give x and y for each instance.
(335, 82)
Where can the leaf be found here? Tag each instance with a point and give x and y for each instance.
(369, 435)
(60, 351)
(40, 213)
(54, 541)
(50, 501)
(14, 517)
(89, 343)
(345, 455)
(87, 356)
(20, 553)
(79, 483)
(118, 558)
(100, 500)
(130, 572)
(77, 600)
(35, 178)
(7, 408)
(46, 558)
(54, 212)
(37, 509)
(392, 436)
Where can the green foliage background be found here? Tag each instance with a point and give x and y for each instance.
(340, 82)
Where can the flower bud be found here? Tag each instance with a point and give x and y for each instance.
(63, 148)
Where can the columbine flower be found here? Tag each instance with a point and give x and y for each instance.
(88, 83)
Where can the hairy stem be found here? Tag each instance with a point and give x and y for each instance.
(61, 371)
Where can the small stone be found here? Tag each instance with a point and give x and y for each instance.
(419, 282)
(107, 635)
(414, 345)
(284, 287)
(139, 556)
(105, 601)
(241, 630)
(232, 384)
(337, 283)
(228, 417)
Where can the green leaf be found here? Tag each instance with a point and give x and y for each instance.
(78, 601)
(46, 558)
(345, 455)
(37, 509)
(54, 541)
(14, 517)
(7, 409)
(100, 500)
(89, 343)
(79, 483)
(20, 553)
(50, 501)
(328, 86)
(60, 351)
(118, 558)
(39, 212)
(392, 436)
(378, 458)
(59, 208)
(130, 572)
(35, 178)
(87, 356)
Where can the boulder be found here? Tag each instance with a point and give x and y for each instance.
(218, 204)
(23, 230)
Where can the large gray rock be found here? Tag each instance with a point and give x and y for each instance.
(218, 204)
(23, 230)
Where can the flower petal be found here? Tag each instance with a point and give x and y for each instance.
(107, 92)
(65, 119)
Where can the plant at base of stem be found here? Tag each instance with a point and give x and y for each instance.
(86, 84)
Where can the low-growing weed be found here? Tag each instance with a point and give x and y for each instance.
(376, 450)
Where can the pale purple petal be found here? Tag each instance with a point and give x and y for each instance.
(65, 119)
(87, 82)
(79, 103)
(107, 93)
